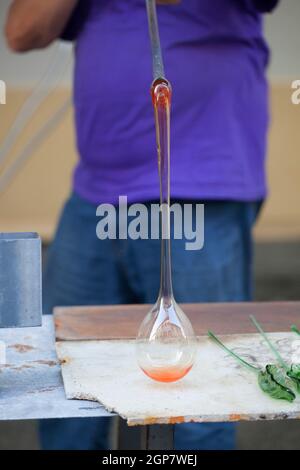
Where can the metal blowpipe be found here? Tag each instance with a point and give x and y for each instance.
(157, 60)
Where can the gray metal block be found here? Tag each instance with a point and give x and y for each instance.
(20, 280)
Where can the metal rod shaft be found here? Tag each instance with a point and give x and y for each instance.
(157, 437)
(157, 60)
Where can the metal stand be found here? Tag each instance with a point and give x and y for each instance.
(20, 280)
(157, 437)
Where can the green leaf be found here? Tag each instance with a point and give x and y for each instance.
(294, 374)
(232, 353)
(271, 346)
(274, 386)
(272, 380)
(280, 375)
(295, 329)
(295, 370)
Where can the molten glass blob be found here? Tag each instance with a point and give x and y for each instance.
(166, 344)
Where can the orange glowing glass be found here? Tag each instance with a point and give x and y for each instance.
(166, 343)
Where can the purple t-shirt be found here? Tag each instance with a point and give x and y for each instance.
(215, 57)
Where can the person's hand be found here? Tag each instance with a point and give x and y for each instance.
(33, 24)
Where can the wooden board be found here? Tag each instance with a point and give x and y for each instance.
(122, 321)
(217, 388)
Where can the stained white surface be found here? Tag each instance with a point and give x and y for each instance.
(2, 353)
(31, 385)
(216, 389)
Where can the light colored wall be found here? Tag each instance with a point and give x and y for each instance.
(280, 218)
(24, 70)
(33, 201)
(281, 215)
(282, 32)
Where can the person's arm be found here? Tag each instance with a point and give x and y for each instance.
(34, 24)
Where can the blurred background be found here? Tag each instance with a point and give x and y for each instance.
(35, 195)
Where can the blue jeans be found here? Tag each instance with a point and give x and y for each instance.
(83, 270)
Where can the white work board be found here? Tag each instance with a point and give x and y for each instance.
(217, 389)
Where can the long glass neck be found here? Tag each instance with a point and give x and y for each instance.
(161, 95)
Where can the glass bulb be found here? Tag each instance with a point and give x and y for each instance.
(166, 344)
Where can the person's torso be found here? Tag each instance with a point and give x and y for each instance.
(214, 56)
